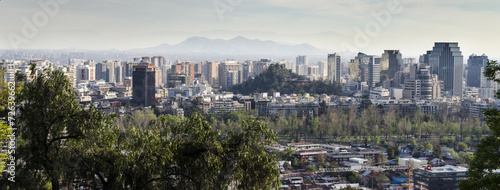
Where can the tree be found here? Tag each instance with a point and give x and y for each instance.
(50, 118)
(287, 165)
(311, 168)
(487, 157)
(462, 146)
(7, 94)
(437, 152)
(428, 146)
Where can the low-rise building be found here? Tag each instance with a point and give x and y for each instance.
(446, 177)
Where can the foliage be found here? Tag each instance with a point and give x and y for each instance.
(276, 78)
(62, 142)
(465, 157)
(311, 168)
(50, 118)
(428, 146)
(462, 146)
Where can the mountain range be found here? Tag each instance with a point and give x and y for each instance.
(236, 46)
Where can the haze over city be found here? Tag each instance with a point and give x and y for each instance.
(327, 25)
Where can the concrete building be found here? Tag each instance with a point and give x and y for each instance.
(85, 73)
(302, 63)
(446, 61)
(392, 60)
(323, 68)
(177, 79)
(229, 74)
(210, 71)
(421, 84)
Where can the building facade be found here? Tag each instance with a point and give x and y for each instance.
(446, 61)
(144, 85)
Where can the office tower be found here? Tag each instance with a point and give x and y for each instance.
(369, 69)
(144, 85)
(475, 68)
(392, 60)
(446, 61)
(301, 63)
(425, 57)
(421, 84)
(334, 69)
(323, 68)
(85, 73)
(229, 74)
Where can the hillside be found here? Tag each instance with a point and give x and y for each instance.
(279, 79)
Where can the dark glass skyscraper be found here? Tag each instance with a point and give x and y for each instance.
(143, 79)
(475, 68)
(446, 61)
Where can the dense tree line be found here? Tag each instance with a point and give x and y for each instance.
(375, 121)
(62, 144)
(276, 78)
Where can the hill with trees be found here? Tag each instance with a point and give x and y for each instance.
(276, 78)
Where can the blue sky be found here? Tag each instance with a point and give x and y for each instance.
(326, 24)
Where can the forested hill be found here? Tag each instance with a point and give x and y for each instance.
(276, 78)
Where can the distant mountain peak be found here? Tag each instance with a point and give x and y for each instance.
(237, 46)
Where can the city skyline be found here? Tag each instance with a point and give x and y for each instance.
(330, 26)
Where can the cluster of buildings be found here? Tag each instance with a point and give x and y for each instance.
(417, 173)
(388, 80)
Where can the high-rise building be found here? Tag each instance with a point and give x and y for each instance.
(475, 68)
(158, 61)
(369, 69)
(334, 68)
(119, 72)
(323, 68)
(144, 85)
(110, 72)
(446, 61)
(210, 71)
(425, 57)
(421, 84)
(301, 63)
(100, 71)
(392, 60)
(247, 70)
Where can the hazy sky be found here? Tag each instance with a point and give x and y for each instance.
(413, 27)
